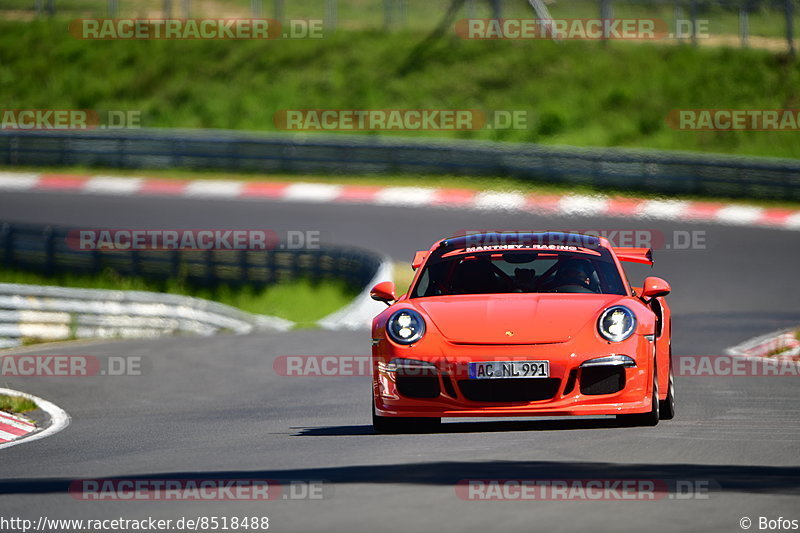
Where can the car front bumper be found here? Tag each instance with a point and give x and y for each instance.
(442, 387)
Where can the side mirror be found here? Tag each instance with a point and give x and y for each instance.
(383, 292)
(419, 258)
(654, 287)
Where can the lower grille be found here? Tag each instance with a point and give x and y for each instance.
(418, 386)
(449, 388)
(602, 380)
(573, 376)
(509, 390)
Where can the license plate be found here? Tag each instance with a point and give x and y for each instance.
(509, 369)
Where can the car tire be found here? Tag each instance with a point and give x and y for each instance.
(394, 424)
(644, 419)
(667, 406)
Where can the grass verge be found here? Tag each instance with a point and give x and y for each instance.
(302, 301)
(578, 93)
(16, 404)
(403, 276)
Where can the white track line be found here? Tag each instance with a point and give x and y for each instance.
(739, 214)
(662, 209)
(583, 205)
(793, 222)
(112, 185)
(18, 181)
(311, 192)
(214, 188)
(499, 200)
(59, 419)
(408, 196)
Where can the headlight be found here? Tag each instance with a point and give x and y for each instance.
(405, 327)
(616, 323)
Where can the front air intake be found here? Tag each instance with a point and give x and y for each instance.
(509, 390)
(602, 380)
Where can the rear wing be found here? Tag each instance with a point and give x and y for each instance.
(635, 255)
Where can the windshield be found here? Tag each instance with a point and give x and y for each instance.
(587, 271)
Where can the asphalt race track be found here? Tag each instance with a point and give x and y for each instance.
(215, 409)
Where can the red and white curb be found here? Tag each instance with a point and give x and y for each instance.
(565, 204)
(13, 427)
(782, 344)
(17, 430)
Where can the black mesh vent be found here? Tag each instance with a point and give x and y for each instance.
(602, 380)
(449, 388)
(509, 390)
(418, 386)
(573, 376)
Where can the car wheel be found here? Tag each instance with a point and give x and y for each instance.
(393, 424)
(644, 419)
(667, 406)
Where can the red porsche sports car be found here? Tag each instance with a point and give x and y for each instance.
(522, 324)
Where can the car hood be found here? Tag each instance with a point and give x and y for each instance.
(514, 318)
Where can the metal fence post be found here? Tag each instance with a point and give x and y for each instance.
(277, 10)
(678, 18)
(135, 263)
(744, 25)
(790, 26)
(606, 12)
(51, 7)
(471, 10)
(167, 9)
(211, 270)
(330, 15)
(49, 251)
(186, 8)
(693, 16)
(97, 263)
(387, 15)
(7, 237)
(403, 12)
(256, 8)
(37, 5)
(175, 264)
(497, 9)
(244, 265)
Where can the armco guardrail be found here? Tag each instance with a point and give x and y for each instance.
(652, 171)
(58, 313)
(51, 313)
(46, 249)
